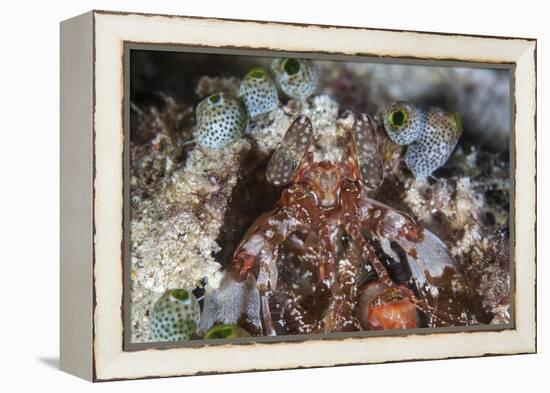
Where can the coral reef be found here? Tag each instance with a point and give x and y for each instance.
(207, 86)
(174, 232)
(157, 145)
(191, 206)
(469, 210)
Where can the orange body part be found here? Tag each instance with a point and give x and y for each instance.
(383, 308)
(394, 315)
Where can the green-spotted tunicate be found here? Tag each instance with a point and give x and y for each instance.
(430, 133)
(221, 119)
(225, 331)
(175, 316)
(402, 122)
(258, 92)
(297, 78)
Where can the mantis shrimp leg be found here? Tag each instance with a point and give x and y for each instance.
(257, 254)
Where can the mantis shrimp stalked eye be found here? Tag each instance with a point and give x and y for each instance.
(221, 119)
(287, 158)
(366, 151)
(297, 78)
(259, 92)
(431, 135)
(175, 316)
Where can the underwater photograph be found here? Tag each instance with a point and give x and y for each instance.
(283, 196)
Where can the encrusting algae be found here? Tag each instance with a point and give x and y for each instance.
(174, 234)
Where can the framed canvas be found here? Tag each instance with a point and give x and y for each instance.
(302, 196)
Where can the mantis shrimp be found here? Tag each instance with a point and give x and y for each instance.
(328, 258)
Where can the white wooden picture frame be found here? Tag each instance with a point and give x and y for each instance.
(92, 194)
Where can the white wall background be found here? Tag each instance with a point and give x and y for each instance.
(29, 181)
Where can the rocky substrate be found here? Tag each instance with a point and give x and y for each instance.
(190, 207)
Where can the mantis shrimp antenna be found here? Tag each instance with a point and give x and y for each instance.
(365, 144)
(288, 156)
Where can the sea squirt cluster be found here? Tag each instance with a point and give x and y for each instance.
(222, 118)
(430, 133)
(258, 92)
